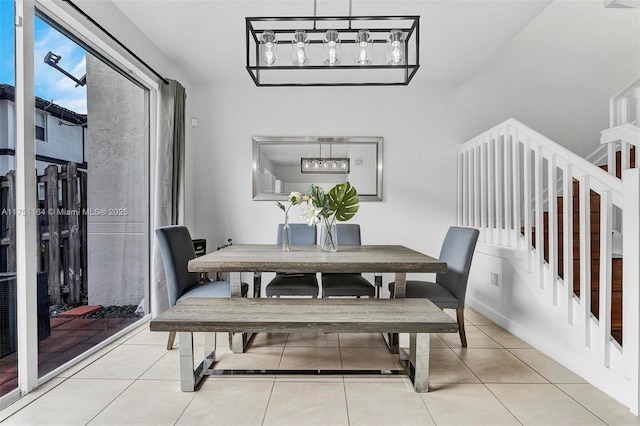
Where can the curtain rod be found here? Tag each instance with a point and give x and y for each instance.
(104, 30)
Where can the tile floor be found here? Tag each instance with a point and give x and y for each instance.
(497, 380)
(69, 337)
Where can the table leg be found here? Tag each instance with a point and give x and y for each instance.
(236, 284)
(400, 284)
(392, 339)
(210, 346)
(419, 358)
(236, 340)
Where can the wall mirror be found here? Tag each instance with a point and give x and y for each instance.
(285, 164)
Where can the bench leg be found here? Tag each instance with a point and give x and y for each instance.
(190, 378)
(419, 358)
(187, 378)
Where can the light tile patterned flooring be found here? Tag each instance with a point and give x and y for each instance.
(497, 380)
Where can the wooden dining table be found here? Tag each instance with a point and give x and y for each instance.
(240, 258)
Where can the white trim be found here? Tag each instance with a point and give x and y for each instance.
(26, 225)
(630, 273)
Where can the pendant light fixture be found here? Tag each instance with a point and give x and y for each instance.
(328, 165)
(333, 50)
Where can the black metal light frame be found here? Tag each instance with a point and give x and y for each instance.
(345, 160)
(376, 74)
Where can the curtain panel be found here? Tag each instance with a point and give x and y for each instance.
(169, 178)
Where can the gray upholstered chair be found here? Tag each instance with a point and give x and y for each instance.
(288, 284)
(450, 287)
(176, 248)
(347, 284)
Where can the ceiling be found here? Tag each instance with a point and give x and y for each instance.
(207, 38)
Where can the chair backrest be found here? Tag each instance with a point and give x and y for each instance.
(457, 251)
(348, 234)
(177, 250)
(301, 234)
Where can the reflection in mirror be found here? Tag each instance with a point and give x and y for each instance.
(285, 164)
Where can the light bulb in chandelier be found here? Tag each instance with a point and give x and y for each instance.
(268, 48)
(331, 45)
(364, 47)
(395, 48)
(300, 46)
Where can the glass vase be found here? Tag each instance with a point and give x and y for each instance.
(329, 239)
(286, 235)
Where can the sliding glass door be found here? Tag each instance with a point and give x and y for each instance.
(8, 287)
(89, 150)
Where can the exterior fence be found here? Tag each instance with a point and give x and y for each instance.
(62, 237)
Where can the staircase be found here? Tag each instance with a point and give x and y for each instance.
(616, 267)
(562, 289)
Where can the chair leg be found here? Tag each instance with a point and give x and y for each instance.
(460, 318)
(172, 338)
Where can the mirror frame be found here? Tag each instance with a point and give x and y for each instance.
(258, 141)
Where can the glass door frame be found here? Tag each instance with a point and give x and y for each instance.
(26, 224)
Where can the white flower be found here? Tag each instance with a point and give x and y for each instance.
(295, 198)
(312, 215)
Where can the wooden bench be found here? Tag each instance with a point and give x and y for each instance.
(419, 317)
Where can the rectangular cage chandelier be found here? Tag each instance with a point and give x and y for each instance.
(333, 51)
(325, 165)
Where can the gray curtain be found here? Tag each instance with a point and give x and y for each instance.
(169, 179)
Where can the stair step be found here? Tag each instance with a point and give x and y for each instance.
(616, 272)
(594, 204)
(595, 243)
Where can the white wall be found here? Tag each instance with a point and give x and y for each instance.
(6, 117)
(419, 175)
(556, 76)
(64, 141)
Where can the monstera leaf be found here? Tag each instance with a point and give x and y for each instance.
(320, 200)
(344, 201)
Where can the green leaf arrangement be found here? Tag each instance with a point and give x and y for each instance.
(342, 201)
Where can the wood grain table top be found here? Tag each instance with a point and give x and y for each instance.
(271, 258)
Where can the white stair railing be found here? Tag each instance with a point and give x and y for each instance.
(504, 190)
(624, 127)
(624, 106)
